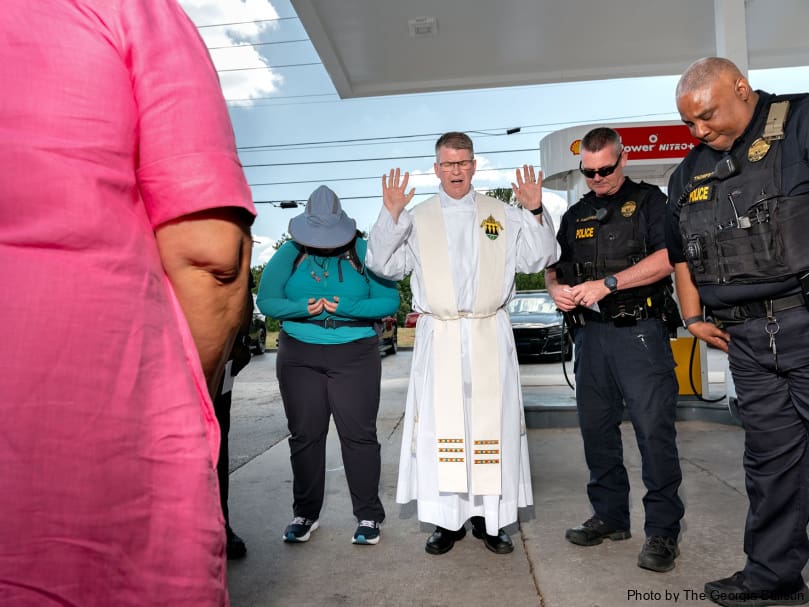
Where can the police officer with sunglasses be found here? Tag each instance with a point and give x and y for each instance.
(613, 283)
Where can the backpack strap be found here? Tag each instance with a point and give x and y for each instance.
(351, 254)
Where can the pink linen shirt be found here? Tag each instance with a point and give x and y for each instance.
(112, 122)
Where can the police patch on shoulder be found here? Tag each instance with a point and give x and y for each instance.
(758, 150)
(491, 227)
(628, 208)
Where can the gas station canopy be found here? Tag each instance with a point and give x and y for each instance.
(386, 47)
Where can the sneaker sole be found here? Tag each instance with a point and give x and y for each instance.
(614, 536)
(360, 540)
(289, 538)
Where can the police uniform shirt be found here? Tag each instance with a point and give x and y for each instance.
(652, 214)
(794, 181)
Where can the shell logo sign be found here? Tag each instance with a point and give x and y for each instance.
(651, 142)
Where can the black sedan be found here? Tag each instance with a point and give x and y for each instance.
(389, 338)
(257, 337)
(537, 326)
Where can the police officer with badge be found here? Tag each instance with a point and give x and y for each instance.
(613, 283)
(737, 238)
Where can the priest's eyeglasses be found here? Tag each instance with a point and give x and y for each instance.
(603, 171)
(461, 164)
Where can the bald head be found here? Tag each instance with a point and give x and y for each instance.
(704, 71)
(715, 101)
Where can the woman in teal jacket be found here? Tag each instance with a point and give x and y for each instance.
(328, 359)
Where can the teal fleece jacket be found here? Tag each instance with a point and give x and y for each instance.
(284, 294)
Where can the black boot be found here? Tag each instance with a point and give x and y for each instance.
(499, 544)
(442, 540)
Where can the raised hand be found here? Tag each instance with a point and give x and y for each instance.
(393, 192)
(528, 189)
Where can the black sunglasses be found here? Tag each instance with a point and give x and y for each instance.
(603, 171)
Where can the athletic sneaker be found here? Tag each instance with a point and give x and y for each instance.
(299, 529)
(366, 533)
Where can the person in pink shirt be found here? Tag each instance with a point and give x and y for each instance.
(125, 248)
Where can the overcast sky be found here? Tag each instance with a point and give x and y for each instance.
(295, 133)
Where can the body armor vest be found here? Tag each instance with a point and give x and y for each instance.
(606, 241)
(743, 230)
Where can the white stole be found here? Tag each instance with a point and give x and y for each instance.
(486, 406)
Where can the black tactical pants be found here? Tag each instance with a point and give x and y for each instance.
(632, 365)
(773, 393)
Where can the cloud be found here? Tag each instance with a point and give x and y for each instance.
(262, 250)
(423, 180)
(231, 44)
(486, 179)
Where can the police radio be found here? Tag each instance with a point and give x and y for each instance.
(726, 167)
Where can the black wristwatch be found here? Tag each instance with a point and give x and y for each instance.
(536, 211)
(611, 283)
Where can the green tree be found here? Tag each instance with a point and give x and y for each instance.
(405, 300)
(504, 194)
(258, 271)
(524, 282)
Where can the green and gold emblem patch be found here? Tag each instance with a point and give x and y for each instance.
(491, 227)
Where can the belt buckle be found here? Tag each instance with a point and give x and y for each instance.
(624, 318)
(329, 323)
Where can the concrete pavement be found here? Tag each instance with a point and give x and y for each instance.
(544, 569)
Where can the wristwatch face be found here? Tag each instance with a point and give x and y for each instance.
(611, 282)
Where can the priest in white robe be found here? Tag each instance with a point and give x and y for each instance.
(464, 453)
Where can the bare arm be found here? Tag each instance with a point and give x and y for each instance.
(691, 306)
(206, 256)
(648, 270)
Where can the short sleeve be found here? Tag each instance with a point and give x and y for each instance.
(186, 157)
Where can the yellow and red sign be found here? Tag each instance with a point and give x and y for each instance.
(651, 142)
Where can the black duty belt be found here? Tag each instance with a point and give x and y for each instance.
(623, 317)
(759, 309)
(333, 323)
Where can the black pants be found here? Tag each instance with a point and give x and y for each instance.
(316, 382)
(632, 365)
(221, 407)
(773, 393)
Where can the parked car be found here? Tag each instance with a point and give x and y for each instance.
(389, 339)
(257, 337)
(537, 326)
(410, 319)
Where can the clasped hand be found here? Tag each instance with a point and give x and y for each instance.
(316, 306)
(586, 294)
